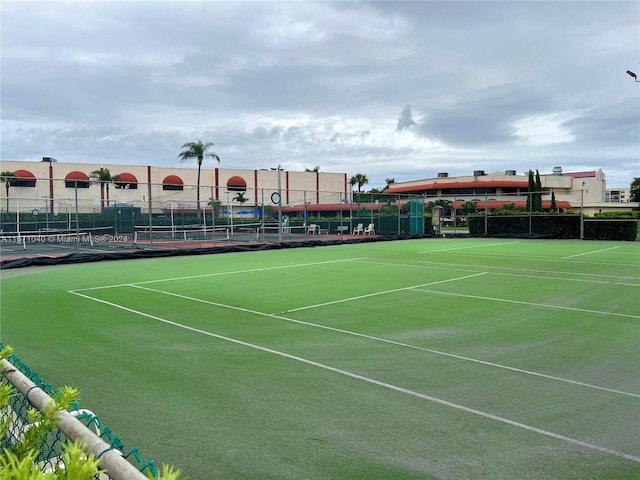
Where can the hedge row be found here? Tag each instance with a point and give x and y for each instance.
(554, 226)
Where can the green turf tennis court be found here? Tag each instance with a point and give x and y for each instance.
(415, 359)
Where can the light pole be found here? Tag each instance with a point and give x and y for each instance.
(633, 75)
(279, 203)
(582, 212)
(46, 209)
(530, 209)
(229, 210)
(486, 213)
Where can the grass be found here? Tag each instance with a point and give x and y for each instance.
(439, 358)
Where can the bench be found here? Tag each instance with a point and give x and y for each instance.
(342, 229)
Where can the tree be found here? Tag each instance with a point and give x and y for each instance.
(359, 179)
(240, 198)
(314, 169)
(103, 177)
(215, 204)
(445, 204)
(537, 205)
(7, 178)
(635, 190)
(389, 182)
(198, 150)
(554, 207)
(268, 211)
(509, 209)
(469, 208)
(530, 190)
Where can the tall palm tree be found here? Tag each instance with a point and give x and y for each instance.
(103, 177)
(197, 150)
(359, 179)
(7, 178)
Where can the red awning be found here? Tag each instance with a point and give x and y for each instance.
(172, 180)
(237, 184)
(77, 176)
(24, 175)
(127, 178)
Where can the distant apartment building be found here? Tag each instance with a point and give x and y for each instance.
(618, 195)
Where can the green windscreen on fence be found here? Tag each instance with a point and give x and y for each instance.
(417, 216)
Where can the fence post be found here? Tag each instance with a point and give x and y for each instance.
(75, 187)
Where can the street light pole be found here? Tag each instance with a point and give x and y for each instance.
(279, 205)
(486, 212)
(278, 194)
(582, 212)
(633, 75)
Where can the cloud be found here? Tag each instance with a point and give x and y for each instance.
(484, 85)
(405, 122)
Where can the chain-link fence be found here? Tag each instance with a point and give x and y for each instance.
(59, 217)
(27, 384)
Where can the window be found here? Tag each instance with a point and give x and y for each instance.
(75, 178)
(127, 180)
(23, 178)
(172, 182)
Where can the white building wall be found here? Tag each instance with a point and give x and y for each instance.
(259, 183)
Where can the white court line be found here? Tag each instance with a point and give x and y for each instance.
(545, 259)
(470, 246)
(389, 386)
(375, 294)
(391, 342)
(589, 253)
(205, 275)
(448, 264)
(544, 305)
(483, 267)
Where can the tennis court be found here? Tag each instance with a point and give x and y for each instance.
(429, 358)
(82, 245)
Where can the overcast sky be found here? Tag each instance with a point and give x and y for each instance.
(399, 90)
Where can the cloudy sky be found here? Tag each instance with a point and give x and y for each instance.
(399, 90)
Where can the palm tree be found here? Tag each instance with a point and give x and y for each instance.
(197, 150)
(240, 198)
(359, 179)
(7, 178)
(103, 177)
(314, 169)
